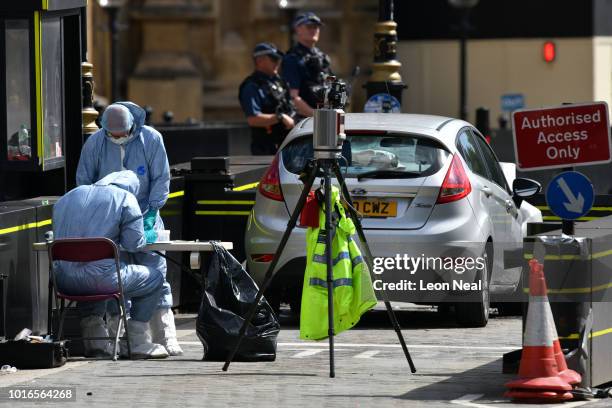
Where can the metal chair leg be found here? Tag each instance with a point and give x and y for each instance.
(118, 332)
(125, 323)
(63, 310)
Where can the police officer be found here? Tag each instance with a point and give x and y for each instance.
(305, 67)
(265, 100)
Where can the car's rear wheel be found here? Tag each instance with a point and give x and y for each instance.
(516, 307)
(273, 297)
(295, 300)
(476, 314)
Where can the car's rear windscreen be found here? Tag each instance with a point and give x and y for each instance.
(395, 155)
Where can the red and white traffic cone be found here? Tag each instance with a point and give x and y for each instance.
(539, 378)
(536, 396)
(569, 376)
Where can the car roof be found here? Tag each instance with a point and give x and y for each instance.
(439, 127)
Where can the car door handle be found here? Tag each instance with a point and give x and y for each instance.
(511, 209)
(487, 191)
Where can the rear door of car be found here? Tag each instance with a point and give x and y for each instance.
(488, 197)
(485, 206)
(507, 214)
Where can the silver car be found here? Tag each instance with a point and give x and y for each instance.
(427, 185)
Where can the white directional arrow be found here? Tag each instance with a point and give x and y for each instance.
(575, 205)
(307, 353)
(467, 399)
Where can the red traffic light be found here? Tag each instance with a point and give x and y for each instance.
(549, 51)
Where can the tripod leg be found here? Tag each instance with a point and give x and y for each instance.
(330, 274)
(369, 261)
(268, 277)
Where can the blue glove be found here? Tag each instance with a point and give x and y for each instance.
(149, 220)
(151, 236)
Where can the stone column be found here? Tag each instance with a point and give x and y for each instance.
(166, 76)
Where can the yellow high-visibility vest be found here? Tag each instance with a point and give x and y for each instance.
(353, 292)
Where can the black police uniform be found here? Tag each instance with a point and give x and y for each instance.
(261, 93)
(306, 69)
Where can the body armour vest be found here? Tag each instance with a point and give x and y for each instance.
(318, 67)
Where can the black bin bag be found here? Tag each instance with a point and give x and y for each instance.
(227, 298)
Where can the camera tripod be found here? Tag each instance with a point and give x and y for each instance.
(321, 168)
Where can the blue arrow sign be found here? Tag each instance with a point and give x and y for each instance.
(382, 102)
(570, 195)
(512, 102)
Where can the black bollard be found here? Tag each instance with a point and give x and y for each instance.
(168, 117)
(482, 121)
(148, 113)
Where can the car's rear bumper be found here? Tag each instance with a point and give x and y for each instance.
(440, 237)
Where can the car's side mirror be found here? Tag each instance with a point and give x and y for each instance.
(523, 188)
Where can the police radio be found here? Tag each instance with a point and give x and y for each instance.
(329, 121)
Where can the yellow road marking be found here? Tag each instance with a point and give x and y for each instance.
(555, 218)
(246, 187)
(176, 194)
(222, 212)
(22, 227)
(576, 336)
(228, 202)
(547, 208)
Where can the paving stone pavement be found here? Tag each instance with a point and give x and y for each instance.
(456, 367)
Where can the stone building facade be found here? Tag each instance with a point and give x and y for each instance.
(189, 56)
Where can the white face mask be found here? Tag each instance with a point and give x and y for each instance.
(123, 139)
(119, 140)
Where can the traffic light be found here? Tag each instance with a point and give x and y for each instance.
(549, 51)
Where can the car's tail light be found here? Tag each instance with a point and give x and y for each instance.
(269, 185)
(262, 257)
(456, 184)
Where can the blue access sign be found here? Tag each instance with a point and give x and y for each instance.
(512, 102)
(570, 195)
(382, 103)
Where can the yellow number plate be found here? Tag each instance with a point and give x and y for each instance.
(376, 208)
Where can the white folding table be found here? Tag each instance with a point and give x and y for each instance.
(193, 247)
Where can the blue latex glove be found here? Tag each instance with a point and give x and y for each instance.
(149, 220)
(151, 236)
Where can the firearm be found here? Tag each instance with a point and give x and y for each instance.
(286, 106)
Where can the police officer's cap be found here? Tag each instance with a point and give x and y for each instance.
(307, 18)
(266, 48)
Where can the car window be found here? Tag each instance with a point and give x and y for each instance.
(471, 155)
(497, 174)
(412, 154)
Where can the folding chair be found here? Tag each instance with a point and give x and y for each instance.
(88, 250)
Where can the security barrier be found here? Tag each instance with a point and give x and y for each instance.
(182, 141)
(578, 273)
(219, 195)
(26, 288)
